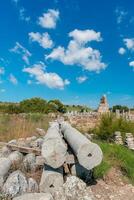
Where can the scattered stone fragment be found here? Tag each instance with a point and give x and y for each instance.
(59, 194)
(13, 142)
(29, 162)
(130, 141)
(40, 160)
(76, 189)
(32, 185)
(5, 151)
(5, 165)
(118, 138)
(16, 158)
(16, 184)
(37, 143)
(40, 131)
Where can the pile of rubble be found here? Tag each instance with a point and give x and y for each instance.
(129, 140)
(48, 167)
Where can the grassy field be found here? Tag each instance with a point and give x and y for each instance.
(21, 126)
(118, 157)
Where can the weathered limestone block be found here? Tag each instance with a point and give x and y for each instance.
(40, 161)
(35, 196)
(5, 165)
(118, 138)
(5, 151)
(54, 148)
(32, 185)
(59, 194)
(29, 162)
(16, 158)
(16, 184)
(129, 141)
(50, 181)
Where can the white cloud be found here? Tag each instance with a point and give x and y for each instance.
(81, 79)
(19, 49)
(13, 79)
(23, 17)
(121, 15)
(44, 39)
(49, 19)
(51, 80)
(129, 42)
(2, 70)
(79, 54)
(84, 36)
(131, 64)
(122, 51)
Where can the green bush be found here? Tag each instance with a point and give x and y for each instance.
(109, 124)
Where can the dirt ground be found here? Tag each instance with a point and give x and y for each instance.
(113, 187)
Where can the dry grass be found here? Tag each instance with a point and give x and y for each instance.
(21, 126)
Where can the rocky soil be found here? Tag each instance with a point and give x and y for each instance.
(113, 187)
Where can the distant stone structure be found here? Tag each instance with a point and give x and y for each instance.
(103, 106)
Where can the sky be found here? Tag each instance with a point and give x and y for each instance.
(72, 50)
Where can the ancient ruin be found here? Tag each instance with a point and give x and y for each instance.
(103, 106)
(61, 152)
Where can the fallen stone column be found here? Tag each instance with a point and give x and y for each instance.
(54, 148)
(88, 154)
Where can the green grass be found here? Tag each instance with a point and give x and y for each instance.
(115, 156)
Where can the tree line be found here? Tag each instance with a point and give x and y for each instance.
(33, 105)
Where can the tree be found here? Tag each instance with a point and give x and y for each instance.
(120, 108)
(57, 105)
(33, 105)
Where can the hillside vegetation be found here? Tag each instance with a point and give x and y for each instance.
(38, 105)
(118, 157)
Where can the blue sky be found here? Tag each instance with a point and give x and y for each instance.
(73, 50)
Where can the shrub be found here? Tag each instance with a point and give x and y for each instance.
(109, 124)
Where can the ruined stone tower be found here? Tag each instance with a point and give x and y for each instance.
(103, 106)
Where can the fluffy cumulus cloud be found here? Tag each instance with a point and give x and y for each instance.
(19, 49)
(49, 19)
(129, 43)
(81, 79)
(13, 79)
(131, 64)
(122, 51)
(85, 36)
(44, 39)
(51, 80)
(78, 53)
